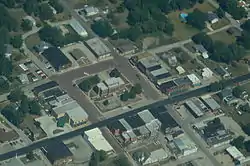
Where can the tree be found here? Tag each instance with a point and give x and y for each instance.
(244, 40)
(31, 6)
(97, 157)
(216, 86)
(51, 35)
(246, 129)
(4, 85)
(106, 102)
(113, 1)
(102, 28)
(203, 39)
(8, 3)
(26, 25)
(115, 73)
(197, 19)
(237, 91)
(17, 41)
(15, 95)
(30, 156)
(12, 115)
(238, 142)
(45, 12)
(6, 20)
(134, 33)
(5, 67)
(24, 105)
(132, 93)
(247, 145)
(220, 12)
(125, 96)
(246, 26)
(122, 161)
(138, 88)
(34, 108)
(56, 5)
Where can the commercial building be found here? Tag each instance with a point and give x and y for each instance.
(146, 116)
(185, 146)
(194, 79)
(148, 64)
(41, 88)
(78, 28)
(235, 153)
(156, 156)
(124, 47)
(99, 49)
(194, 109)
(56, 58)
(201, 50)
(90, 11)
(57, 153)
(114, 83)
(96, 139)
(210, 102)
(159, 75)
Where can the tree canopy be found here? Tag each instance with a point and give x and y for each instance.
(197, 19)
(102, 28)
(17, 41)
(45, 12)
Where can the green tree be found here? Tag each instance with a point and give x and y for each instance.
(17, 41)
(238, 142)
(125, 96)
(197, 19)
(15, 95)
(106, 102)
(216, 86)
(56, 5)
(247, 145)
(5, 67)
(12, 115)
(237, 91)
(30, 156)
(244, 40)
(51, 35)
(132, 93)
(97, 157)
(138, 88)
(115, 73)
(24, 105)
(102, 28)
(220, 12)
(26, 25)
(34, 107)
(31, 6)
(45, 12)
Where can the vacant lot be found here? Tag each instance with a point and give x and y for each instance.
(223, 37)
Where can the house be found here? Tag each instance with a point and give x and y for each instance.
(98, 48)
(201, 50)
(185, 146)
(194, 79)
(180, 70)
(159, 76)
(8, 50)
(77, 116)
(23, 78)
(222, 72)
(56, 58)
(148, 64)
(90, 11)
(156, 156)
(212, 17)
(57, 153)
(227, 96)
(78, 28)
(31, 19)
(206, 73)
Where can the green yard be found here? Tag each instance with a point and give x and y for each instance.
(221, 23)
(224, 37)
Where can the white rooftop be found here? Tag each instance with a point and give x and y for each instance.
(184, 143)
(180, 70)
(102, 86)
(78, 27)
(114, 82)
(194, 79)
(71, 106)
(96, 138)
(77, 114)
(146, 116)
(156, 156)
(207, 73)
(235, 153)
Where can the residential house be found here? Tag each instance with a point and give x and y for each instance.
(201, 50)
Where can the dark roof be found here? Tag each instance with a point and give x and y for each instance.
(56, 150)
(56, 58)
(167, 85)
(45, 86)
(114, 125)
(156, 67)
(221, 71)
(7, 136)
(211, 16)
(134, 121)
(211, 129)
(53, 92)
(183, 81)
(162, 76)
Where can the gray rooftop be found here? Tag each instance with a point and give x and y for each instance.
(210, 102)
(146, 116)
(194, 108)
(200, 48)
(98, 47)
(149, 62)
(159, 72)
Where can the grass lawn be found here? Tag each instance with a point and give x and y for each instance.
(221, 23)
(239, 69)
(224, 37)
(246, 87)
(32, 40)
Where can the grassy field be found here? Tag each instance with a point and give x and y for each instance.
(224, 37)
(182, 30)
(32, 40)
(221, 23)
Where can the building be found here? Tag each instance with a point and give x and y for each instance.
(57, 153)
(56, 58)
(114, 83)
(194, 79)
(223, 72)
(156, 156)
(185, 146)
(212, 17)
(24, 78)
(207, 73)
(210, 102)
(146, 116)
(201, 50)
(235, 153)
(77, 116)
(63, 30)
(41, 88)
(148, 64)
(129, 130)
(124, 47)
(78, 28)
(159, 76)
(227, 96)
(41, 47)
(167, 87)
(90, 11)
(98, 142)
(194, 109)
(8, 50)
(102, 89)
(180, 70)
(99, 49)
(31, 19)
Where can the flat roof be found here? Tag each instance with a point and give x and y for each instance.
(78, 27)
(98, 47)
(184, 143)
(134, 121)
(167, 85)
(235, 153)
(102, 86)
(45, 86)
(210, 102)
(56, 150)
(194, 108)
(96, 138)
(113, 82)
(77, 114)
(149, 62)
(158, 72)
(123, 45)
(194, 79)
(146, 116)
(183, 81)
(56, 58)
(71, 106)
(125, 124)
